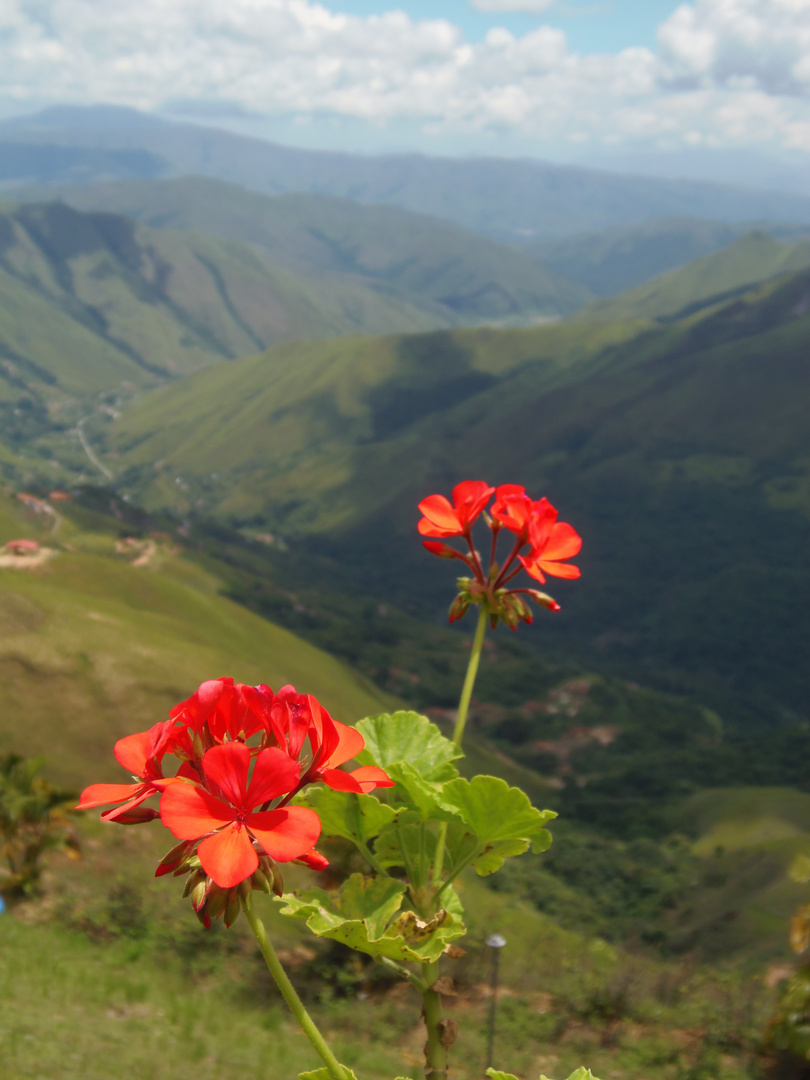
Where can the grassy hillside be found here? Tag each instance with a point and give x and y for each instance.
(507, 199)
(754, 257)
(93, 647)
(675, 449)
(615, 260)
(389, 250)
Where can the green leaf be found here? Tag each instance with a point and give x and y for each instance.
(371, 901)
(495, 811)
(580, 1074)
(423, 795)
(393, 738)
(358, 818)
(407, 833)
(496, 1074)
(493, 855)
(360, 915)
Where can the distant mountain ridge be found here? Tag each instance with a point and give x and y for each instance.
(459, 276)
(503, 198)
(754, 257)
(613, 261)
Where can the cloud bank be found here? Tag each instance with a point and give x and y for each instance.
(725, 72)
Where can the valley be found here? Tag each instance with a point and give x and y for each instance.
(221, 399)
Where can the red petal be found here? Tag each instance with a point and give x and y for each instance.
(350, 743)
(190, 812)
(132, 752)
(439, 512)
(563, 570)
(370, 777)
(425, 528)
(470, 497)
(226, 766)
(338, 780)
(275, 774)
(285, 834)
(563, 543)
(101, 794)
(228, 856)
(532, 568)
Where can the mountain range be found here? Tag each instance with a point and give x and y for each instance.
(510, 200)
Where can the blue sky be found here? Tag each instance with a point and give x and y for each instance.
(592, 26)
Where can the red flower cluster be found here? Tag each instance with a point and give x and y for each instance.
(228, 800)
(534, 525)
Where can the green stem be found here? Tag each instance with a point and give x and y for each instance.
(461, 720)
(333, 1066)
(435, 1048)
(469, 678)
(403, 972)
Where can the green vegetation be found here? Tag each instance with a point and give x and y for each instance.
(92, 647)
(455, 275)
(614, 260)
(679, 451)
(32, 821)
(752, 258)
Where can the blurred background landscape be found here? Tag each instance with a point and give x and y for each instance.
(230, 368)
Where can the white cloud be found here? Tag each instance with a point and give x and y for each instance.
(529, 7)
(726, 71)
(739, 44)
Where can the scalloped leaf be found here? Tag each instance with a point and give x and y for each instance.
(370, 901)
(394, 738)
(358, 818)
(495, 811)
(424, 796)
(493, 855)
(406, 832)
(361, 915)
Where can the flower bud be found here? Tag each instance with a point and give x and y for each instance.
(544, 600)
(444, 551)
(459, 607)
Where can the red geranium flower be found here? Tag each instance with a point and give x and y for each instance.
(225, 820)
(229, 710)
(551, 541)
(441, 519)
(140, 754)
(534, 525)
(514, 510)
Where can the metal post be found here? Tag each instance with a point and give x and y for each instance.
(496, 943)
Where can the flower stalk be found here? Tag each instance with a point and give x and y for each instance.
(305, 1021)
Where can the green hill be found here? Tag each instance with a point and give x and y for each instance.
(676, 449)
(614, 260)
(394, 252)
(754, 257)
(93, 647)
